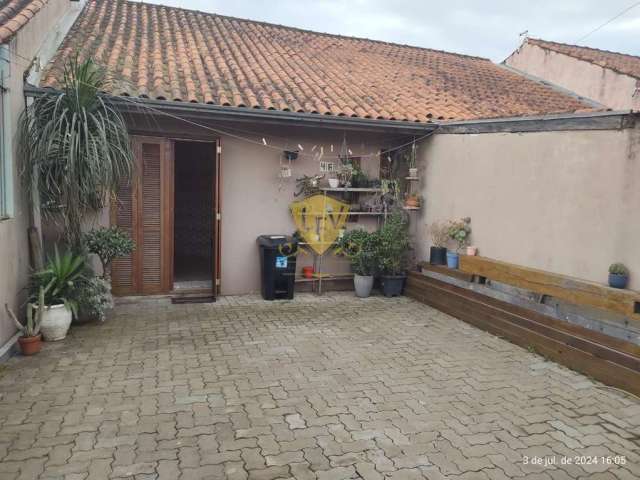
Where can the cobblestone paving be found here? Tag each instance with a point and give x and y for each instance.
(326, 388)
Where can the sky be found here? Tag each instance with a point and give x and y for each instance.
(487, 28)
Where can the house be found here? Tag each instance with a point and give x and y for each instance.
(30, 31)
(213, 102)
(610, 78)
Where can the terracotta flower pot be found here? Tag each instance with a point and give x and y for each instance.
(412, 202)
(472, 251)
(30, 345)
(307, 272)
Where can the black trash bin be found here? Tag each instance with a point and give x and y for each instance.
(277, 266)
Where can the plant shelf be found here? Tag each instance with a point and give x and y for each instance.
(412, 178)
(411, 208)
(351, 189)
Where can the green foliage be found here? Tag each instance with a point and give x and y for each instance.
(360, 247)
(618, 269)
(410, 155)
(108, 244)
(439, 232)
(93, 297)
(75, 147)
(359, 179)
(392, 251)
(34, 316)
(460, 231)
(59, 278)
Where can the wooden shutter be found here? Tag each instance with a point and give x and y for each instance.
(123, 208)
(150, 231)
(143, 212)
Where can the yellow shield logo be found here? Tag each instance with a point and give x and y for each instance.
(319, 219)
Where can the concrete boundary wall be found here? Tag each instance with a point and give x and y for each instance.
(562, 201)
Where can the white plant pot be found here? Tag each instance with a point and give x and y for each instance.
(334, 182)
(363, 285)
(56, 320)
(413, 172)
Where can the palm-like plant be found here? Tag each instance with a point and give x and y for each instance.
(75, 147)
(58, 279)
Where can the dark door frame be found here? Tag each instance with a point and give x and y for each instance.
(215, 247)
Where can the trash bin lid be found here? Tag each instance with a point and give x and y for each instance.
(273, 240)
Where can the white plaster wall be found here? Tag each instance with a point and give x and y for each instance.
(603, 85)
(14, 255)
(566, 202)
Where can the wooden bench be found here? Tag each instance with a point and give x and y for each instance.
(610, 360)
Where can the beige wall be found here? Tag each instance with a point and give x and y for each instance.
(603, 85)
(565, 202)
(14, 259)
(255, 202)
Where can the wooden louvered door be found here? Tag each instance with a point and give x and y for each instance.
(124, 215)
(142, 209)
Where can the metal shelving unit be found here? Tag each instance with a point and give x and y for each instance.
(319, 276)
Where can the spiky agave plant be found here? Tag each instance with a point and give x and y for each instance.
(75, 147)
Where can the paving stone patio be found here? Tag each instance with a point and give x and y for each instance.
(328, 388)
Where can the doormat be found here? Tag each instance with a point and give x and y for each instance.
(199, 299)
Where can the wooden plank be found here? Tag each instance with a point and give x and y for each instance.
(456, 302)
(581, 338)
(573, 290)
(449, 272)
(556, 324)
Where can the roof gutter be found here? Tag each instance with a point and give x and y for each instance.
(608, 120)
(139, 106)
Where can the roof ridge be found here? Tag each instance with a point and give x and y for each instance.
(583, 46)
(306, 30)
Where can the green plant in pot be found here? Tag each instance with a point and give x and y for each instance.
(392, 254)
(618, 275)
(460, 232)
(108, 244)
(58, 279)
(31, 339)
(439, 232)
(360, 247)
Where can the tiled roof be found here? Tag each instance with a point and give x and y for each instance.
(14, 14)
(620, 62)
(169, 53)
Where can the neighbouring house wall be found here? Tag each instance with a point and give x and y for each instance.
(605, 86)
(14, 255)
(564, 201)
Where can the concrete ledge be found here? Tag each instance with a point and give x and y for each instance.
(9, 349)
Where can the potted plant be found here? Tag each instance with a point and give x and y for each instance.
(439, 232)
(108, 244)
(460, 232)
(412, 201)
(618, 275)
(411, 158)
(31, 339)
(360, 247)
(59, 281)
(392, 254)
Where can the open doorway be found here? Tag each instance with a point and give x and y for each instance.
(193, 236)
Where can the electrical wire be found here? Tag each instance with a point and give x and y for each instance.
(609, 21)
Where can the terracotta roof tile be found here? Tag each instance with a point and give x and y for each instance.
(15, 14)
(619, 62)
(169, 53)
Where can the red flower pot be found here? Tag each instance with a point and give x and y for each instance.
(307, 272)
(30, 345)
